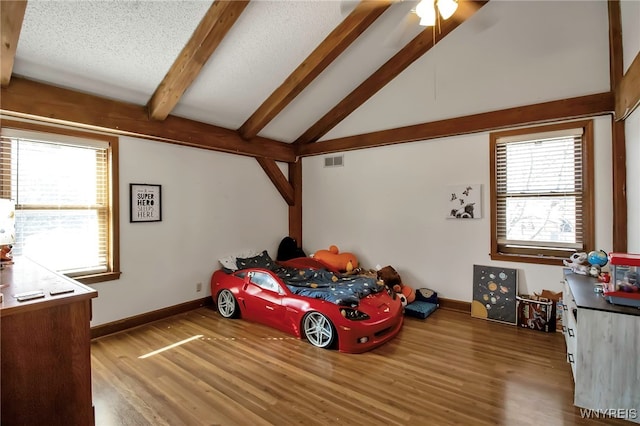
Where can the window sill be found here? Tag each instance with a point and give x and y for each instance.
(98, 278)
(523, 258)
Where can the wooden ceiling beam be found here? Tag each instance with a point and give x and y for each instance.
(29, 99)
(212, 29)
(278, 179)
(628, 91)
(11, 17)
(546, 112)
(331, 47)
(417, 47)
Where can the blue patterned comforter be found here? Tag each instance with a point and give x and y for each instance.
(340, 289)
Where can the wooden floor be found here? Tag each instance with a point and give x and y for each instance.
(447, 369)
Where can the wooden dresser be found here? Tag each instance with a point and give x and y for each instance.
(44, 349)
(603, 343)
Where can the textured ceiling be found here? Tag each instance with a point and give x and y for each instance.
(122, 49)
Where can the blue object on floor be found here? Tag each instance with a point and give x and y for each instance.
(420, 309)
(427, 295)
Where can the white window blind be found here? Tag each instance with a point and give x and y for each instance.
(61, 189)
(539, 191)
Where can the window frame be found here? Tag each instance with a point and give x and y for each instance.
(113, 264)
(538, 254)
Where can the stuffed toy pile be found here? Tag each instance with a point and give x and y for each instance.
(394, 283)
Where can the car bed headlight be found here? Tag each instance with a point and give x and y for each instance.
(353, 314)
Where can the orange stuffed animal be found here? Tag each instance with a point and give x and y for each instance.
(343, 262)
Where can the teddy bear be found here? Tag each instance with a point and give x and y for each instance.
(5, 253)
(395, 286)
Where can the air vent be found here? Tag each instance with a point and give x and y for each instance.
(335, 161)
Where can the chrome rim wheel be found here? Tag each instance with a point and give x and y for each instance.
(318, 330)
(226, 304)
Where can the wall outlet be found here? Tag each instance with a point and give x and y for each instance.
(199, 287)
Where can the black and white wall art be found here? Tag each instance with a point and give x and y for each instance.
(464, 201)
(145, 202)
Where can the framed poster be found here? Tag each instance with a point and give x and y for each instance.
(145, 202)
(464, 201)
(494, 293)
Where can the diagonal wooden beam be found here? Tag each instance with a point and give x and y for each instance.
(331, 47)
(545, 112)
(43, 102)
(278, 179)
(417, 47)
(213, 27)
(628, 91)
(11, 17)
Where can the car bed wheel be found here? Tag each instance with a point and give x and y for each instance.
(227, 305)
(318, 330)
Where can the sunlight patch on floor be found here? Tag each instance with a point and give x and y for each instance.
(173, 345)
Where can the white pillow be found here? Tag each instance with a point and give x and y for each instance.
(229, 262)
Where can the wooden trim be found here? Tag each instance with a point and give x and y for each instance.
(589, 191)
(615, 43)
(114, 190)
(523, 258)
(628, 91)
(626, 86)
(11, 17)
(295, 210)
(455, 305)
(100, 278)
(138, 320)
(29, 99)
(417, 47)
(206, 38)
(627, 98)
(619, 185)
(277, 178)
(546, 112)
(333, 45)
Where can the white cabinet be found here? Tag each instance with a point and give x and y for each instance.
(569, 326)
(603, 348)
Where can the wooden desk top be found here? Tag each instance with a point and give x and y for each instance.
(25, 276)
(582, 289)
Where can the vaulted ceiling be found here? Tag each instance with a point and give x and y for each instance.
(282, 79)
(267, 78)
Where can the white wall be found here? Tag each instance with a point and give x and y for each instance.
(631, 47)
(213, 204)
(388, 205)
(511, 53)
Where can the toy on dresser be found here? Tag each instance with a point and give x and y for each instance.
(587, 263)
(624, 287)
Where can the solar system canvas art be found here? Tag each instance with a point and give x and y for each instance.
(494, 293)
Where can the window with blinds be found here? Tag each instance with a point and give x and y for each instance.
(61, 186)
(542, 185)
